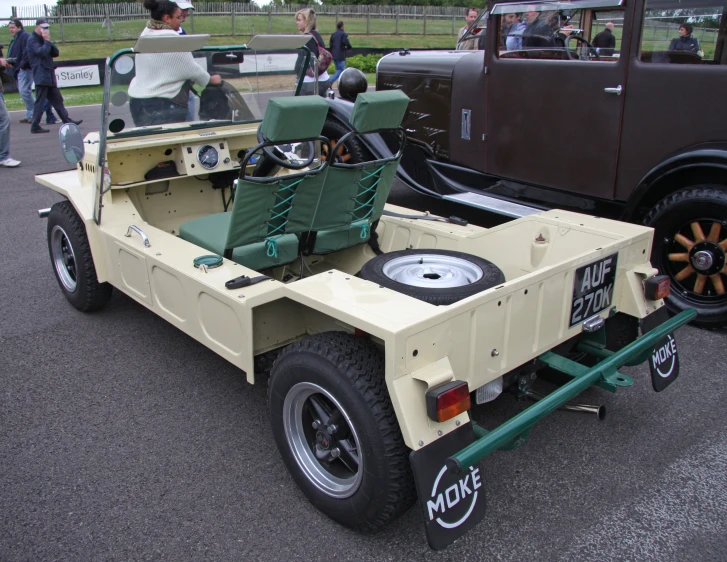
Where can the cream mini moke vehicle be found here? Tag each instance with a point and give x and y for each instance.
(270, 243)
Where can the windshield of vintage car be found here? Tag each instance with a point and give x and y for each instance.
(154, 92)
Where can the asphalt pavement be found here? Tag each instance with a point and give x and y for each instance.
(121, 438)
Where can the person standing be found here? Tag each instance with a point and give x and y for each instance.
(471, 43)
(40, 54)
(5, 160)
(305, 20)
(605, 42)
(339, 45)
(20, 70)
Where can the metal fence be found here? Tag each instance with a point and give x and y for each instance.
(75, 23)
(122, 22)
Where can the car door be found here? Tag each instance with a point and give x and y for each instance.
(553, 120)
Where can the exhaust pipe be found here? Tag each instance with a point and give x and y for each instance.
(43, 213)
(600, 411)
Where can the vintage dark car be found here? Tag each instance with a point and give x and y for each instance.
(541, 119)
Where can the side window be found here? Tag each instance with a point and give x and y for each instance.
(565, 34)
(693, 35)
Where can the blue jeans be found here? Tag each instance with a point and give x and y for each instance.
(340, 67)
(25, 80)
(4, 130)
(156, 111)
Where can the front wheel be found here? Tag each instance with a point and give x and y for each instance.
(335, 428)
(690, 245)
(72, 261)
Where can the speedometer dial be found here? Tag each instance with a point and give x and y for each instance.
(208, 157)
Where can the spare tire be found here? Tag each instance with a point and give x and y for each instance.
(439, 277)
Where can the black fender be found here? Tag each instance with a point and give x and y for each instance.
(340, 110)
(704, 163)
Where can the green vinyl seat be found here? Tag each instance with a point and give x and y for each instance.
(354, 195)
(260, 231)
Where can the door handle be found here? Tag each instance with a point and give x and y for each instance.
(617, 90)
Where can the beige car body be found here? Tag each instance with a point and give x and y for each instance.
(476, 339)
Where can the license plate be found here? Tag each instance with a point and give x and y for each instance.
(593, 289)
(664, 360)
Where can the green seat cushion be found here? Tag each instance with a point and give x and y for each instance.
(383, 109)
(294, 118)
(209, 232)
(257, 256)
(328, 241)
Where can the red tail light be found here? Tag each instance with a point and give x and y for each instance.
(448, 400)
(658, 287)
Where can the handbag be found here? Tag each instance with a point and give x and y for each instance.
(325, 58)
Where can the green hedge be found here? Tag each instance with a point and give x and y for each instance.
(365, 63)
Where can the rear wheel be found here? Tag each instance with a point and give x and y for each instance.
(70, 254)
(690, 245)
(336, 430)
(353, 152)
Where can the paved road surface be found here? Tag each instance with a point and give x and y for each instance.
(123, 439)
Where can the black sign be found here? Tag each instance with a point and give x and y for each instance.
(451, 503)
(664, 361)
(593, 289)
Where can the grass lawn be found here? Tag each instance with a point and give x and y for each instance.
(88, 95)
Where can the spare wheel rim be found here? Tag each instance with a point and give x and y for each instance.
(432, 271)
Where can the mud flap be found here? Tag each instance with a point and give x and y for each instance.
(664, 361)
(451, 503)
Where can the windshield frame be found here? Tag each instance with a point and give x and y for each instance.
(101, 160)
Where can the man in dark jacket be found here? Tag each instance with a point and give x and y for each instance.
(605, 42)
(339, 44)
(40, 54)
(686, 41)
(20, 70)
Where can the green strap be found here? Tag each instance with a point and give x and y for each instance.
(283, 202)
(272, 247)
(369, 202)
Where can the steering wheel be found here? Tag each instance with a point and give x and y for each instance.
(280, 158)
(591, 48)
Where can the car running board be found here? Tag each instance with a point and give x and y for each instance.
(499, 206)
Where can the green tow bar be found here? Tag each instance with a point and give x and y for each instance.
(511, 429)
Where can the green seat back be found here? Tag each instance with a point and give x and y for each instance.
(353, 197)
(260, 230)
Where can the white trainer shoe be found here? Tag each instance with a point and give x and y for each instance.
(10, 163)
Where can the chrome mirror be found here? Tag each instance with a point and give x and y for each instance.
(71, 141)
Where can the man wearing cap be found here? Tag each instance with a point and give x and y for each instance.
(185, 7)
(40, 54)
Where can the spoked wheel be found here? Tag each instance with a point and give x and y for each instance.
(690, 245)
(72, 261)
(353, 152)
(336, 430)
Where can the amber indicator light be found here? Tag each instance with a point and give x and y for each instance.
(448, 400)
(658, 287)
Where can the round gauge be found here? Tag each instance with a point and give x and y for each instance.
(208, 157)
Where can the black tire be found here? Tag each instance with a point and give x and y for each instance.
(375, 271)
(354, 152)
(676, 217)
(72, 262)
(336, 366)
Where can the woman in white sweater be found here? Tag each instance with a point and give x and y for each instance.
(160, 90)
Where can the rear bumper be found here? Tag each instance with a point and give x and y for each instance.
(605, 371)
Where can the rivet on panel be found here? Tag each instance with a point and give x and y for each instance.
(439, 432)
(495, 353)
